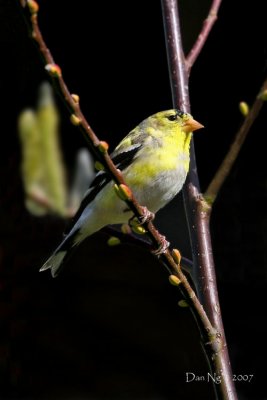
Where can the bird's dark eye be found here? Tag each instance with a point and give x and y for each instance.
(172, 117)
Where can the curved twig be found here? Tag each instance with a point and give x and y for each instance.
(202, 37)
(226, 165)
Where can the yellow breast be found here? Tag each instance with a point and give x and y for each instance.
(169, 155)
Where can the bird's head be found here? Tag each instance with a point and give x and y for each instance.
(173, 120)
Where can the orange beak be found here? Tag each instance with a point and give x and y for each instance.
(191, 125)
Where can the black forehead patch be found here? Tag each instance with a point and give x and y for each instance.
(180, 113)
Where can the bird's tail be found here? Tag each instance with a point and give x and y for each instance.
(54, 262)
(76, 235)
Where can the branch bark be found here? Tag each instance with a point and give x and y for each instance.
(197, 210)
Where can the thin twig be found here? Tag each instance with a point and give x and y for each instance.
(202, 37)
(198, 212)
(99, 149)
(226, 165)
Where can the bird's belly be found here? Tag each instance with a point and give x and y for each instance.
(159, 190)
(154, 193)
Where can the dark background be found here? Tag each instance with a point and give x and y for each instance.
(109, 326)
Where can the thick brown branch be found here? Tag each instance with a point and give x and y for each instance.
(202, 37)
(209, 293)
(198, 212)
(226, 165)
(175, 55)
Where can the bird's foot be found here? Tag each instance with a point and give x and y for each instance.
(163, 246)
(146, 217)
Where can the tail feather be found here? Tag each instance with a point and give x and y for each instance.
(76, 235)
(54, 262)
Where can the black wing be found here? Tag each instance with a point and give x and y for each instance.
(122, 161)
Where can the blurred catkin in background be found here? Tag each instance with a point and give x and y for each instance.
(42, 168)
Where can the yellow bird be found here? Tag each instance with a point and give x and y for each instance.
(154, 159)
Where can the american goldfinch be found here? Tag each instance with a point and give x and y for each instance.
(154, 159)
